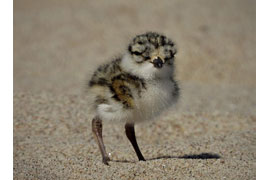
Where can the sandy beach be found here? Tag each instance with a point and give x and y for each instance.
(209, 134)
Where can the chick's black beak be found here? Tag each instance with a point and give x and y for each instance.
(158, 63)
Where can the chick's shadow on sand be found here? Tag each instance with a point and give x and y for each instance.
(189, 156)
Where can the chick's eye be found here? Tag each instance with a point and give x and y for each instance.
(166, 51)
(147, 58)
(168, 58)
(136, 53)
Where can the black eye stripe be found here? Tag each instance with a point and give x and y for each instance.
(168, 58)
(147, 58)
(137, 53)
(172, 52)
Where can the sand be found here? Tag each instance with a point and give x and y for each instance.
(209, 134)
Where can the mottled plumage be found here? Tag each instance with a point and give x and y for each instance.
(120, 83)
(135, 87)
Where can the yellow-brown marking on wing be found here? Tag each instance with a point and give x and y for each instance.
(122, 93)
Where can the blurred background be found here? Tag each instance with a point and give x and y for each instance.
(57, 43)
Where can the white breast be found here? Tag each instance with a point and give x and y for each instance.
(154, 100)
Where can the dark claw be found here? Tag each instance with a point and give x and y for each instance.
(105, 160)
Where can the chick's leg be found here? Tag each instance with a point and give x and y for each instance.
(97, 131)
(130, 132)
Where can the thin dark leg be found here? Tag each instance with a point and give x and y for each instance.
(97, 131)
(130, 132)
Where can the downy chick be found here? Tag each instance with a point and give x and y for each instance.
(136, 87)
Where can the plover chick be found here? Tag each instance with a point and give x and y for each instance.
(135, 87)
